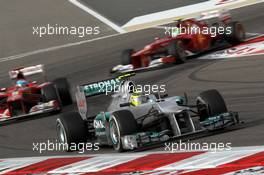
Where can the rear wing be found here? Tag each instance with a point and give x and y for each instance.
(97, 88)
(221, 14)
(27, 71)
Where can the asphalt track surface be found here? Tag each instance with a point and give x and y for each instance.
(17, 19)
(240, 80)
(121, 11)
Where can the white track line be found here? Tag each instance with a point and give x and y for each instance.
(98, 16)
(26, 54)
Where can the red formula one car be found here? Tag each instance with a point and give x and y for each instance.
(27, 98)
(191, 36)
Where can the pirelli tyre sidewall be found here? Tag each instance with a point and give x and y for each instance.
(121, 123)
(71, 129)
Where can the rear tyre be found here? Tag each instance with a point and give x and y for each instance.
(63, 88)
(121, 123)
(71, 129)
(210, 103)
(177, 50)
(237, 34)
(126, 56)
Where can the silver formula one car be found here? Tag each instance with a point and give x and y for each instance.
(132, 120)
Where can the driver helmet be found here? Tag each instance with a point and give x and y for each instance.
(137, 99)
(21, 83)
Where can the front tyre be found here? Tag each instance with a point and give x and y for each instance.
(71, 129)
(63, 88)
(210, 103)
(176, 49)
(121, 123)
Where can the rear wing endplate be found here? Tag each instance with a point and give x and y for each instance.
(97, 88)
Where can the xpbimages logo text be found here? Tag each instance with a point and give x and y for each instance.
(191, 30)
(117, 88)
(51, 146)
(192, 146)
(78, 31)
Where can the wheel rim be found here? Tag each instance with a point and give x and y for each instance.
(61, 133)
(182, 52)
(114, 133)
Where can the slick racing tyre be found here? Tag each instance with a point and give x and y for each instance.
(49, 93)
(71, 129)
(63, 88)
(210, 103)
(126, 56)
(121, 123)
(177, 50)
(237, 34)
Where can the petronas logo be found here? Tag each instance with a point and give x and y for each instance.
(101, 87)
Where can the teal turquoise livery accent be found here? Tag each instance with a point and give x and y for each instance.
(101, 87)
(104, 116)
(105, 86)
(181, 100)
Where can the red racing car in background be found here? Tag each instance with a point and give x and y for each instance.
(28, 98)
(176, 47)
